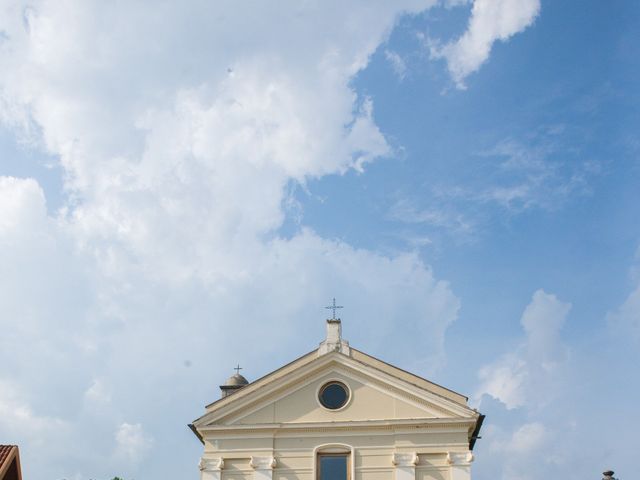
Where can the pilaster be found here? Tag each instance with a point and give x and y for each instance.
(405, 464)
(263, 467)
(460, 465)
(211, 468)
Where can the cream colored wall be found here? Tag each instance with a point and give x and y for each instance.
(372, 453)
(289, 424)
(367, 403)
(237, 469)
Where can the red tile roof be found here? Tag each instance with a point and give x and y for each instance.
(5, 453)
(9, 463)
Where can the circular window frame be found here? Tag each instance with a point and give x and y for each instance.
(332, 381)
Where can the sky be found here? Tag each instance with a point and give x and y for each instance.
(185, 185)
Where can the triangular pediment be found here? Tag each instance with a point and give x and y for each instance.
(377, 393)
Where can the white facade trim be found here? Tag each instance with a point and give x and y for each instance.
(263, 467)
(316, 369)
(335, 448)
(211, 468)
(460, 465)
(405, 464)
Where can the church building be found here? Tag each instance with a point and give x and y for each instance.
(337, 413)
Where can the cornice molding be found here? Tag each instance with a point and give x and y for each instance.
(305, 375)
(462, 424)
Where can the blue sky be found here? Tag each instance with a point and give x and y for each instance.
(182, 189)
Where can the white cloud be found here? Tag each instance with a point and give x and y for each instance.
(398, 64)
(536, 177)
(548, 416)
(525, 451)
(455, 3)
(525, 440)
(437, 216)
(528, 438)
(22, 206)
(514, 176)
(530, 381)
(179, 131)
(625, 320)
(527, 375)
(505, 380)
(97, 393)
(542, 321)
(490, 20)
(132, 442)
(19, 421)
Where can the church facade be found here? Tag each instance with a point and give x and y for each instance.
(337, 413)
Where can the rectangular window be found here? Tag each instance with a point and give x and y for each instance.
(333, 466)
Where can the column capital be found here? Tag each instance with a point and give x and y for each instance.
(211, 464)
(459, 458)
(263, 463)
(405, 459)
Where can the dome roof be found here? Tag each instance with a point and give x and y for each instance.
(236, 380)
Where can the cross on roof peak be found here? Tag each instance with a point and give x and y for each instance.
(334, 307)
(237, 369)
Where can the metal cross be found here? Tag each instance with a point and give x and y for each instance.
(237, 369)
(334, 307)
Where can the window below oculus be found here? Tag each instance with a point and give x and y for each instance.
(333, 466)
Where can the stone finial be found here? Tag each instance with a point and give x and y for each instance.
(608, 475)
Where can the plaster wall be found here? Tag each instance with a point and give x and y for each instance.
(372, 454)
(393, 430)
(367, 403)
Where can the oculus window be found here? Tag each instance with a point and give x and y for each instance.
(334, 395)
(333, 466)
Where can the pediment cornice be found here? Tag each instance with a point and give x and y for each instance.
(445, 425)
(254, 396)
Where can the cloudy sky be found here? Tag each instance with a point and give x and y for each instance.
(185, 186)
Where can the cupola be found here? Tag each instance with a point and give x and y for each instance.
(234, 382)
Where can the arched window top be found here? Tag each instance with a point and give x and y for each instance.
(334, 462)
(333, 448)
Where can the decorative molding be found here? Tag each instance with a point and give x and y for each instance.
(459, 465)
(405, 459)
(461, 424)
(211, 464)
(334, 448)
(310, 369)
(405, 464)
(263, 463)
(341, 346)
(459, 458)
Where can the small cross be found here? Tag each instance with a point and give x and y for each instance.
(333, 307)
(237, 369)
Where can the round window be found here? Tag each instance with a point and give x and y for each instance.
(334, 395)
